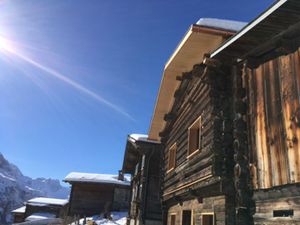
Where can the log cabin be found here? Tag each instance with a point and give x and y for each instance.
(19, 214)
(262, 62)
(142, 162)
(93, 194)
(229, 126)
(38, 208)
(195, 185)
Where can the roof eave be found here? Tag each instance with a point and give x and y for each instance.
(189, 52)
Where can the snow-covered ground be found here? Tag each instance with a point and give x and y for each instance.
(118, 218)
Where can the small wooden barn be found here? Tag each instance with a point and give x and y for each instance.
(195, 188)
(92, 194)
(230, 126)
(46, 207)
(142, 161)
(19, 214)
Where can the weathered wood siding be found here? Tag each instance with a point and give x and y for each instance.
(273, 91)
(145, 205)
(152, 187)
(195, 102)
(121, 199)
(18, 217)
(92, 199)
(284, 198)
(204, 93)
(213, 205)
(58, 211)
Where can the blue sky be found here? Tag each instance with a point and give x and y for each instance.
(77, 76)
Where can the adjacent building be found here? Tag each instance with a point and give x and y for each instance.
(19, 214)
(142, 160)
(93, 194)
(44, 208)
(197, 160)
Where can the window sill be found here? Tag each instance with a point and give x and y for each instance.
(192, 154)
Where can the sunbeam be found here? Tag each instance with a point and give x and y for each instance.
(8, 47)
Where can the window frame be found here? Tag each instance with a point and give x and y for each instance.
(197, 123)
(170, 166)
(191, 215)
(172, 215)
(208, 214)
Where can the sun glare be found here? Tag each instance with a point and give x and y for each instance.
(5, 45)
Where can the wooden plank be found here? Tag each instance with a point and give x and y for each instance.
(263, 164)
(276, 141)
(289, 104)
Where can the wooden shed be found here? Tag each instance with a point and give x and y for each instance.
(142, 161)
(92, 194)
(19, 214)
(196, 187)
(46, 208)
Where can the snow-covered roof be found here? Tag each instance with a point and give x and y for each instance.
(55, 221)
(40, 216)
(229, 25)
(47, 201)
(95, 178)
(19, 210)
(140, 137)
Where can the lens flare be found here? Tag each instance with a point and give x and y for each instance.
(11, 48)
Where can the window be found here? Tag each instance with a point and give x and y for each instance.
(173, 219)
(186, 217)
(172, 157)
(195, 137)
(208, 219)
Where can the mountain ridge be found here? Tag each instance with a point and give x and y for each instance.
(16, 188)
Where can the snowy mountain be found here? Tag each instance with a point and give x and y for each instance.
(15, 188)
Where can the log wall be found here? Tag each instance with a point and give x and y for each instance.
(273, 91)
(205, 94)
(212, 205)
(93, 199)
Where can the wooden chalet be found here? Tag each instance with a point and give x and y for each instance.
(19, 214)
(229, 124)
(93, 194)
(142, 162)
(195, 185)
(41, 208)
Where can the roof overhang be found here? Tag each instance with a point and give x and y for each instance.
(272, 28)
(198, 41)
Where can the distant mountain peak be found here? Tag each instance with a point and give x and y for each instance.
(15, 189)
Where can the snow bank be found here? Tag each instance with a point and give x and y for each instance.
(48, 201)
(95, 178)
(118, 218)
(140, 137)
(229, 25)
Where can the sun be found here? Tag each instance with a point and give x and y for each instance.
(5, 45)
